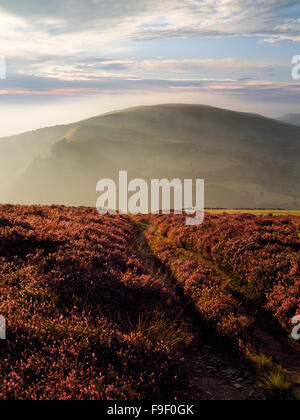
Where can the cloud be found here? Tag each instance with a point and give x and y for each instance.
(203, 64)
(152, 19)
(92, 68)
(56, 48)
(81, 40)
(44, 89)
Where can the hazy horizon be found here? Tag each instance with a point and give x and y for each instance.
(106, 55)
(78, 116)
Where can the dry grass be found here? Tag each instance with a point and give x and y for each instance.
(276, 380)
(158, 328)
(272, 376)
(261, 360)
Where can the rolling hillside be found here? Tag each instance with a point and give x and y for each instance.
(248, 161)
(291, 119)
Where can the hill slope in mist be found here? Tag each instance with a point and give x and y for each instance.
(291, 119)
(247, 160)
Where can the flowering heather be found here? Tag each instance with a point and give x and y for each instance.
(200, 282)
(92, 312)
(260, 253)
(70, 281)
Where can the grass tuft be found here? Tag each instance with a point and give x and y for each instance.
(272, 376)
(158, 328)
(261, 360)
(276, 380)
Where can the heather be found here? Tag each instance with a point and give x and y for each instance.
(203, 285)
(110, 307)
(261, 254)
(71, 283)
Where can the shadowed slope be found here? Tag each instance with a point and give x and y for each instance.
(291, 119)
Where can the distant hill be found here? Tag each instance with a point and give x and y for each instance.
(291, 119)
(247, 160)
(17, 152)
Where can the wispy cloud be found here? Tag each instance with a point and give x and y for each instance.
(39, 87)
(185, 66)
(93, 68)
(96, 22)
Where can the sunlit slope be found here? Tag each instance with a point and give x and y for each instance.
(248, 161)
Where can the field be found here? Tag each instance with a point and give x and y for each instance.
(143, 307)
(258, 212)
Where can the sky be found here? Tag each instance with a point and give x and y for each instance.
(72, 59)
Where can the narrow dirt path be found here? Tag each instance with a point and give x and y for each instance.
(211, 373)
(266, 330)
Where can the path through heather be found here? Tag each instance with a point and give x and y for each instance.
(211, 374)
